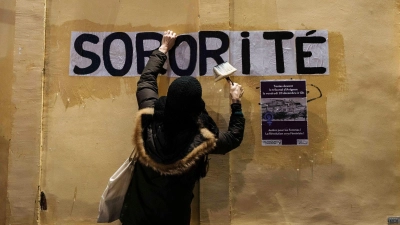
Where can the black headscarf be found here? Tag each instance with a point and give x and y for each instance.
(177, 119)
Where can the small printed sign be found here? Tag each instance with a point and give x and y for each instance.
(284, 112)
(394, 220)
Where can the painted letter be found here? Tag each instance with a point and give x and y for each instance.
(78, 45)
(301, 54)
(128, 53)
(141, 53)
(245, 52)
(278, 36)
(193, 56)
(215, 54)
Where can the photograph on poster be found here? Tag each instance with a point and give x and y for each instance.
(284, 113)
(291, 109)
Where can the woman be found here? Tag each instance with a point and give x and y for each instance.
(173, 136)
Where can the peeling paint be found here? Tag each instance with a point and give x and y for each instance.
(73, 201)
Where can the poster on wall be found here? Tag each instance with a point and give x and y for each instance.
(253, 53)
(284, 112)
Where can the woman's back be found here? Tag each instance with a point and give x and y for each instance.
(153, 198)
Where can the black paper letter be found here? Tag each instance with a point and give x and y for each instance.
(78, 45)
(301, 54)
(278, 36)
(128, 53)
(193, 56)
(245, 53)
(215, 54)
(141, 53)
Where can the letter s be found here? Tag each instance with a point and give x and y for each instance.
(78, 45)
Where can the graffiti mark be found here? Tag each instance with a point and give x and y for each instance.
(320, 93)
(43, 201)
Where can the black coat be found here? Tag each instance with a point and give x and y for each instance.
(161, 190)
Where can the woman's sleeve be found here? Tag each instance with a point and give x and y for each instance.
(232, 138)
(147, 90)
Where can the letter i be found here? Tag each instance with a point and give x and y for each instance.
(245, 52)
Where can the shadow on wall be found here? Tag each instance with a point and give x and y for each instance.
(215, 188)
(4, 146)
(7, 30)
(256, 180)
(277, 180)
(228, 174)
(72, 211)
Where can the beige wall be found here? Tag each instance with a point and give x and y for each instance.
(23, 26)
(88, 121)
(349, 174)
(7, 17)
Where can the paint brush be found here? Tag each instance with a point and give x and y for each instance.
(224, 70)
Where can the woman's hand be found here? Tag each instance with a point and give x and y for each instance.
(236, 92)
(168, 41)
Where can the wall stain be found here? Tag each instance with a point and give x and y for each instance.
(7, 16)
(59, 211)
(303, 159)
(7, 108)
(4, 147)
(74, 90)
